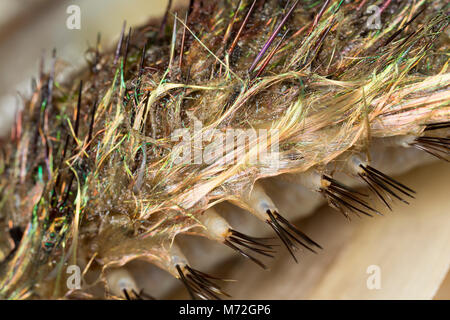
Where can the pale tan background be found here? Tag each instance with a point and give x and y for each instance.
(31, 28)
(410, 245)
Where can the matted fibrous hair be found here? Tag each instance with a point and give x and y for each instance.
(91, 176)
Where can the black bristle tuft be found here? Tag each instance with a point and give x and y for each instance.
(255, 244)
(199, 284)
(383, 185)
(346, 199)
(287, 237)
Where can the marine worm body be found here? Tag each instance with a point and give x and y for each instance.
(230, 104)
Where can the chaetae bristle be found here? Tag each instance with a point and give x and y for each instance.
(436, 146)
(120, 43)
(386, 183)
(270, 56)
(254, 244)
(199, 284)
(164, 20)
(125, 55)
(286, 236)
(77, 121)
(91, 125)
(437, 126)
(312, 72)
(319, 15)
(345, 198)
(391, 38)
(127, 296)
(272, 37)
(236, 39)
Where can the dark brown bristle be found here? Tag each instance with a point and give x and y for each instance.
(162, 27)
(97, 53)
(120, 43)
(183, 39)
(185, 282)
(346, 198)
(254, 244)
(91, 125)
(379, 193)
(142, 294)
(125, 293)
(77, 121)
(270, 56)
(287, 237)
(436, 146)
(198, 284)
(271, 38)
(125, 55)
(384, 182)
(142, 62)
(389, 40)
(325, 85)
(236, 39)
(437, 126)
(319, 15)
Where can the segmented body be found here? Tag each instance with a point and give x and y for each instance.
(105, 149)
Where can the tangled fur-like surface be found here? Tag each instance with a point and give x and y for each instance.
(91, 173)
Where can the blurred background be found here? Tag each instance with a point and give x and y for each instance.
(411, 245)
(30, 29)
